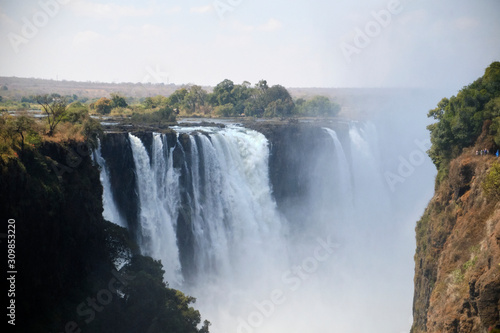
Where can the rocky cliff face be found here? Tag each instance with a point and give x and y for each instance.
(457, 272)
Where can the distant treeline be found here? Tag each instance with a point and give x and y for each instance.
(226, 100)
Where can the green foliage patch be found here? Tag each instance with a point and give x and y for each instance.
(491, 184)
(460, 119)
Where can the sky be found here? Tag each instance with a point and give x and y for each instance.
(344, 43)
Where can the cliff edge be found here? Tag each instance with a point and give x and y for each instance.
(457, 272)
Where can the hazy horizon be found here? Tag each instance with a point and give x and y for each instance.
(362, 44)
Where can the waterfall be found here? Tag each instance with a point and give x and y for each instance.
(110, 212)
(343, 173)
(206, 209)
(157, 236)
(234, 216)
(370, 191)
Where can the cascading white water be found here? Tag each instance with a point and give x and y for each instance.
(370, 191)
(157, 236)
(250, 273)
(239, 235)
(110, 212)
(343, 181)
(235, 218)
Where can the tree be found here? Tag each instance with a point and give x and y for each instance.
(164, 114)
(226, 110)
(54, 107)
(19, 126)
(461, 119)
(149, 103)
(103, 105)
(320, 106)
(438, 112)
(277, 102)
(195, 98)
(176, 100)
(241, 93)
(118, 101)
(223, 93)
(152, 306)
(92, 131)
(262, 85)
(299, 102)
(154, 102)
(279, 108)
(76, 113)
(256, 103)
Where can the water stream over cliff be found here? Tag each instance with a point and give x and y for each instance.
(259, 256)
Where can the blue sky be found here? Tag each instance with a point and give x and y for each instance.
(366, 43)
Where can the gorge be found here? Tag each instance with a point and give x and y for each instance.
(272, 227)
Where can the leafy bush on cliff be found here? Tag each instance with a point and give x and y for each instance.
(460, 118)
(491, 184)
(165, 114)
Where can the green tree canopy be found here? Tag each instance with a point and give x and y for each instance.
(462, 118)
(103, 105)
(195, 98)
(317, 106)
(118, 101)
(161, 309)
(176, 100)
(223, 93)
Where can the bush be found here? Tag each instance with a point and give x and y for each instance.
(103, 105)
(318, 106)
(92, 131)
(491, 184)
(226, 110)
(164, 115)
(76, 113)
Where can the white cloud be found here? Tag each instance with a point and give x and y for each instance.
(201, 9)
(109, 11)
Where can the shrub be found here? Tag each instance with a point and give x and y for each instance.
(491, 184)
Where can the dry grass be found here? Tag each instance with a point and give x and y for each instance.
(64, 132)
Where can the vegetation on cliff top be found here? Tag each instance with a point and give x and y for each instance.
(65, 251)
(474, 113)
